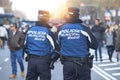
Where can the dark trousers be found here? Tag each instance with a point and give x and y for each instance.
(73, 71)
(100, 50)
(110, 50)
(38, 68)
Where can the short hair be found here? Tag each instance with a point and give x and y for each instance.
(98, 20)
(13, 25)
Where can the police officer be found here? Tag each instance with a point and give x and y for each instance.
(75, 40)
(39, 46)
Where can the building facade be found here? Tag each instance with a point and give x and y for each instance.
(6, 4)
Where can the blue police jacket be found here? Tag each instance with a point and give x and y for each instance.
(76, 39)
(39, 41)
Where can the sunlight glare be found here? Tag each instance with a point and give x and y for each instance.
(31, 7)
(55, 7)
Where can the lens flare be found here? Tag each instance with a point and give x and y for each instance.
(55, 7)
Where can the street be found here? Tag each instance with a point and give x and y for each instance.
(72, 25)
(105, 70)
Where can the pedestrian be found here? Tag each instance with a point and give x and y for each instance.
(26, 29)
(110, 41)
(6, 24)
(15, 44)
(117, 44)
(3, 35)
(39, 47)
(98, 31)
(75, 41)
(20, 29)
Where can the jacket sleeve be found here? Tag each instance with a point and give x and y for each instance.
(117, 43)
(92, 42)
(103, 34)
(8, 40)
(21, 39)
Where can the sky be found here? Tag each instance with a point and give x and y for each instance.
(31, 7)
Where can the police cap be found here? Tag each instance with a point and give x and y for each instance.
(73, 10)
(43, 13)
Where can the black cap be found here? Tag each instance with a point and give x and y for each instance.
(73, 10)
(43, 13)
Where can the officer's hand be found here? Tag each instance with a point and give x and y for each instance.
(52, 65)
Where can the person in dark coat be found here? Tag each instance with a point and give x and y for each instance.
(98, 32)
(15, 44)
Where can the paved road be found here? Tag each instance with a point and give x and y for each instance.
(101, 70)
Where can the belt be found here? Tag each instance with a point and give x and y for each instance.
(40, 57)
(81, 59)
